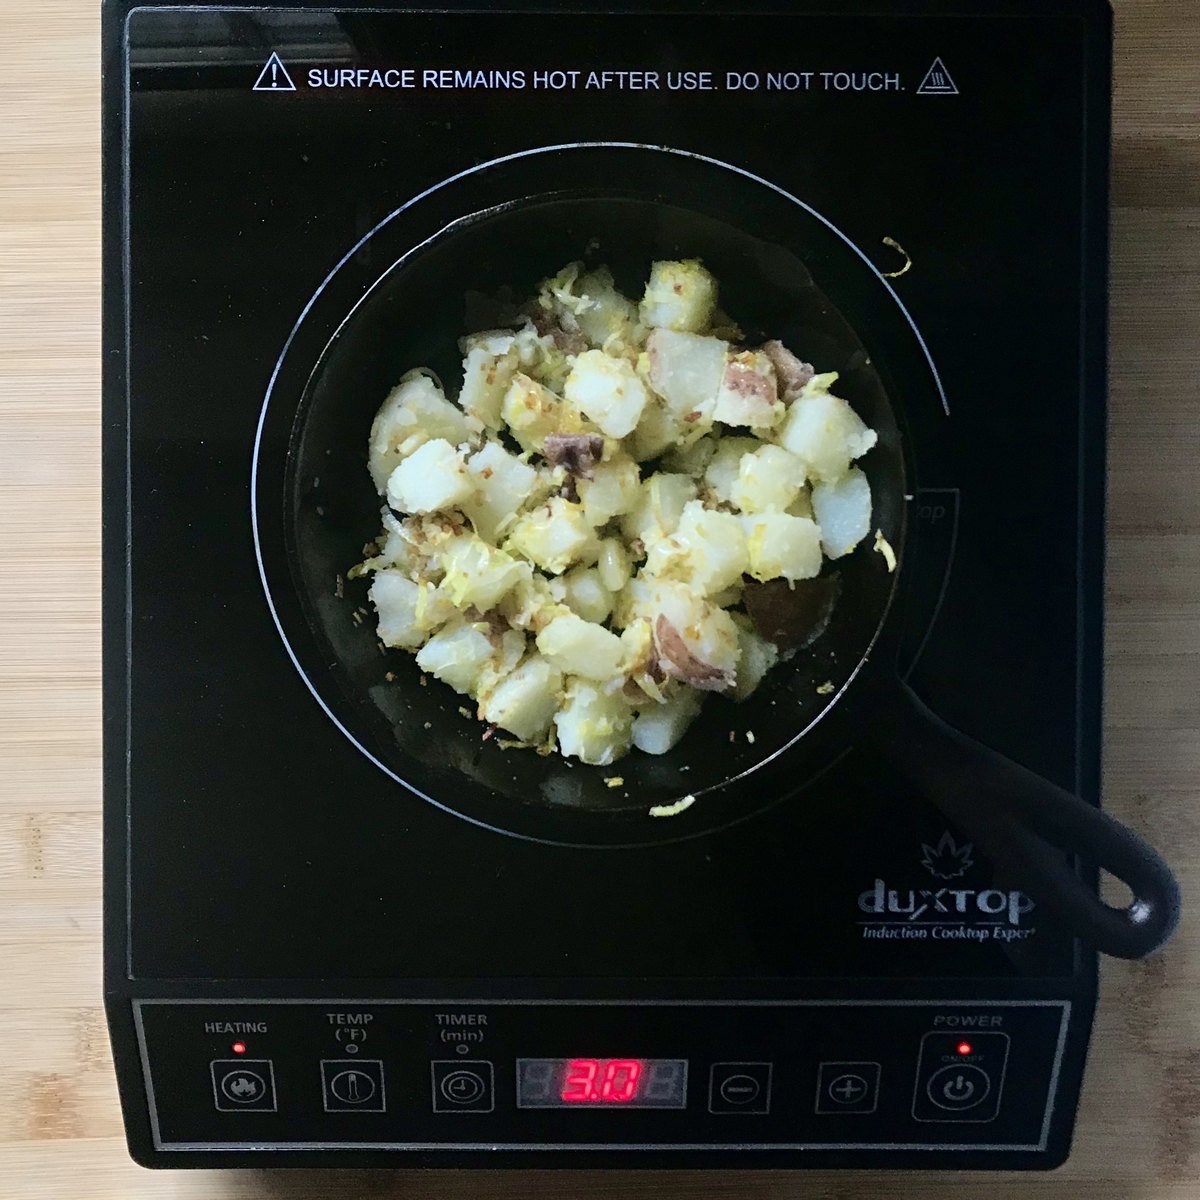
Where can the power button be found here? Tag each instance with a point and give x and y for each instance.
(960, 1077)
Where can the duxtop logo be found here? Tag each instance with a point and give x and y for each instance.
(950, 913)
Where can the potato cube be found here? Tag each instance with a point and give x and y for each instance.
(658, 430)
(660, 727)
(553, 536)
(503, 483)
(593, 726)
(686, 371)
(394, 596)
(756, 656)
(843, 511)
(479, 575)
(659, 507)
(680, 296)
(579, 647)
(414, 412)
(432, 478)
(531, 411)
(612, 490)
(825, 433)
(725, 466)
(769, 478)
(584, 593)
(607, 391)
(749, 394)
(607, 313)
(457, 656)
(526, 700)
(781, 546)
(434, 606)
(698, 643)
(707, 549)
(487, 376)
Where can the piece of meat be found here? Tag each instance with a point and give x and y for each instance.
(745, 381)
(793, 375)
(677, 659)
(791, 616)
(578, 452)
(569, 341)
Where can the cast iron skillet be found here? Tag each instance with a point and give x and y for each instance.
(757, 244)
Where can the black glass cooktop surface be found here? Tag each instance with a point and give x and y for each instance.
(267, 165)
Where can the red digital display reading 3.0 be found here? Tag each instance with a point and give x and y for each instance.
(601, 1080)
(601, 1083)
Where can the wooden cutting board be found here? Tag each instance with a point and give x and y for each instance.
(60, 1132)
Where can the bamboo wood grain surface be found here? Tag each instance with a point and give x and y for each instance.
(60, 1131)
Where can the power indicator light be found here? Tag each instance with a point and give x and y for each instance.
(964, 1047)
(238, 1047)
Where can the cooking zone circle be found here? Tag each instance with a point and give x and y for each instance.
(397, 301)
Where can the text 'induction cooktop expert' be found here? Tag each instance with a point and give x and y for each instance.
(831, 284)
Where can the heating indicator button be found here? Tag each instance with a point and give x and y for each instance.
(243, 1084)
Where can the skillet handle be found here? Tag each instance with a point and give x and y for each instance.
(1022, 820)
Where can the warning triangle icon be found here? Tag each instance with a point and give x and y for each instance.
(274, 77)
(937, 81)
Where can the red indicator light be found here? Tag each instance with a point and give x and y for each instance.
(964, 1047)
(238, 1047)
(601, 1080)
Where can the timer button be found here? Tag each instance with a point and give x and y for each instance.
(740, 1088)
(462, 1086)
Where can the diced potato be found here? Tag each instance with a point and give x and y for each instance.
(680, 296)
(660, 727)
(479, 575)
(531, 604)
(487, 376)
(607, 391)
(503, 483)
(613, 564)
(492, 341)
(686, 371)
(554, 536)
(824, 432)
(725, 465)
(432, 478)
(802, 505)
(659, 507)
(608, 314)
(434, 606)
(781, 546)
(843, 511)
(657, 431)
(524, 703)
(769, 478)
(531, 411)
(415, 412)
(579, 647)
(503, 662)
(583, 591)
(593, 726)
(749, 394)
(707, 549)
(692, 459)
(394, 596)
(457, 656)
(708, 634)
(756, 656)
(611, 492)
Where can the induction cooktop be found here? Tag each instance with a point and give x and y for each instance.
(308, 961)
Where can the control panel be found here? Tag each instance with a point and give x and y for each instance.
(459, 1075)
